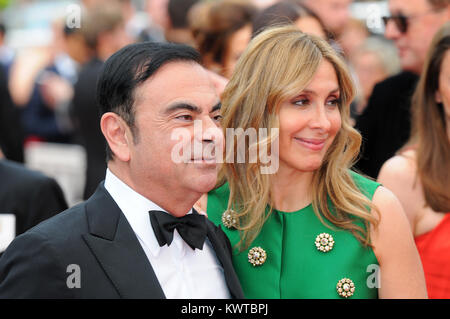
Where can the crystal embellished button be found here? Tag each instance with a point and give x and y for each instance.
(257, 256)
(345, 287)
(324, 242)
(229, 219)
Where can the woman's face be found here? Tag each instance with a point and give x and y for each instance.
(237, 43)
(310, 25)
(310, 121)
(443, 93)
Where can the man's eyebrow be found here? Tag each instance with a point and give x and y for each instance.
(193, 108)
(216, 107)
(182, 106)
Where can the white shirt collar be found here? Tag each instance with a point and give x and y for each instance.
(135, 207)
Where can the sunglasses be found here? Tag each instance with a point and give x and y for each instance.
(401, 20)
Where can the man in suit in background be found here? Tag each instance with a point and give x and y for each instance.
(138, 236)
(26, 198)
(103, 29)
(11, 132)
(385, 123)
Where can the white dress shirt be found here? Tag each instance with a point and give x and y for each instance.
(181, 271)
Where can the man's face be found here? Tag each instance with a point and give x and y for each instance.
(423, 21)
(333, 13)
(179, 97)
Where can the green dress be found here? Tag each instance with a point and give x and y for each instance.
(294, 267)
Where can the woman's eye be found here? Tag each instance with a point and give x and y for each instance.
(301, 102)
(334, 102)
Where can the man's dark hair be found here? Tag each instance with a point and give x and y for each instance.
(127, 69)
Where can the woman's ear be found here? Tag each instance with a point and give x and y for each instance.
(115, 130)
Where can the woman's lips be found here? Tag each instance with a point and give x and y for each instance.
(311, 143)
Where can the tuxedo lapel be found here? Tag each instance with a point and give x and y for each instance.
(222, 248)
(113, 242)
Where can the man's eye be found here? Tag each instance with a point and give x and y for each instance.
(217, 118)
(184, 117)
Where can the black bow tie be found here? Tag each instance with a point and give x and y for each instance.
(192, 228)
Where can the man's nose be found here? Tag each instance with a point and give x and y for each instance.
(209, 131)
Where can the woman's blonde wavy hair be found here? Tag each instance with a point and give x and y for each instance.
(277, 65)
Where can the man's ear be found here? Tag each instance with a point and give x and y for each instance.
(117, 134)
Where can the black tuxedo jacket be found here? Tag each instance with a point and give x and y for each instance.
(11, 131)
(93, 241)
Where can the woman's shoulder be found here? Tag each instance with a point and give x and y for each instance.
(399, 170)
(405, 159)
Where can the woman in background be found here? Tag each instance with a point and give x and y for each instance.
(287, 12)
(420, 174)
(222, 30)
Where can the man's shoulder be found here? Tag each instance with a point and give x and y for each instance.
(23, 183)
(69, 223)
(18, 173)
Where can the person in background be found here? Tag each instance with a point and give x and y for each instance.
(420, 174)
(46, 117)
(7, 54)
(293, 214)
(11, 132)
(353, 35)
(385, 123)
(157, 21)
(335, 14)
(222, 30)
(178, 30)
(374, 61)
(287, 12)
(104, 31)
(158, 12)
(27, 198)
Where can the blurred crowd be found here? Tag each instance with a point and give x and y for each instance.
(48, 94)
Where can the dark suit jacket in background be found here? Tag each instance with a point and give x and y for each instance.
(11, 131)
(86, 116)
(96, 237)
(385, 124)
(30, 195)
